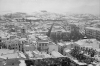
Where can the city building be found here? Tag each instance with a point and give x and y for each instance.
(14, 44)
(42, 45)
(52, 47)
(38, 54)
(65, 45)
(61, 47)
(89, 43)
(92, 32)
(8, 54)
(29, 47)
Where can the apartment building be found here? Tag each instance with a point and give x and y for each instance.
(92, 32)
(42, 45)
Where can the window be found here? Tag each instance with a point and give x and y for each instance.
(39, 44)
(12, 63)
(43, 44)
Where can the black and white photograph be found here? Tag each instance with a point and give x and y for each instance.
(49, 32)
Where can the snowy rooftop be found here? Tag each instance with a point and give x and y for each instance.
(8, 53)
(80, 63)
(67, 50)
(56, 54)
(68, 43)
(89, 43)
(61, 44)
(29, 53)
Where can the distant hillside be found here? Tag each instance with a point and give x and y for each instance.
(49, 15)
(15, 15)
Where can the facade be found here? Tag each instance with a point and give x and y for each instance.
(14, 44)
(92, 32)
(42, 45)
(61, 47)
(29, 47)
(67, 45)
(89, 43)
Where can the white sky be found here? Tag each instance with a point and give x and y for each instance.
(59, 6)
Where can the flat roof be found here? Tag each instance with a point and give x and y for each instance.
(90, 43)
(6, 51)
(43, 41)
(56, 54)
(11, 55)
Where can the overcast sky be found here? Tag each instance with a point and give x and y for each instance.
(59, 6)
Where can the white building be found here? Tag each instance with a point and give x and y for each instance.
(9, 54)
(60, 47)
(56, 54)
(52, 47)
(29, 47)
(92, 43)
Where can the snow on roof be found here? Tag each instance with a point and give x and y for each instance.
(22, 38)
(34, 41)
(3, 57)
(91, 43)
(31, 31)
(80, 63)
(67, 50)
(22, 63)
(22, 55)
(36, 52)
(67, 43)
(11, 55)
(56, 54)
(43, 41)
(43, 37)
(32, 18)
(27, 45)
(98, 50)
(5, 51)
(29, 53)
(61, 44)
(46, 55)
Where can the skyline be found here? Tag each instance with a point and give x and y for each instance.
(57, 6)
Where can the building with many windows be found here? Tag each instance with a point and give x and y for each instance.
(42, 45)
(92, 32)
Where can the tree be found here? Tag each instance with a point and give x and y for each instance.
(75, 34)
